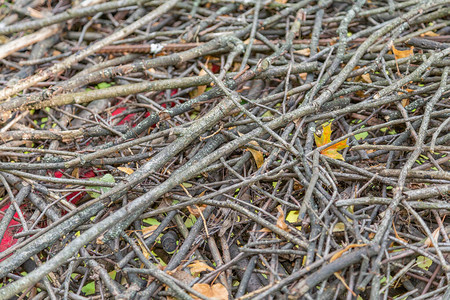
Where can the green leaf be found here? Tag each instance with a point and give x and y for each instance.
(103, 85)
(383, 279)
(361, 136)
(112, 274)
(151, 221)
(267, 114)
(101, 189)
(89, 289)
(424, 262)
(190, 221)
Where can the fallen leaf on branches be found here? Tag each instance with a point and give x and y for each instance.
(402, 53)
(216, 291)
(198, 266)
(281, 223)
(325, 138)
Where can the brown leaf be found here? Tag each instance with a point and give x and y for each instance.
(164, 115)
(339, 253)
(198, 266)
(197, 210)
(366, 78)
(402, 53)
(147, 231)
(435, 235)
(216, 291)
(281, 223)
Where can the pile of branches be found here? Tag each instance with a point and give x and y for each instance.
(225, 149)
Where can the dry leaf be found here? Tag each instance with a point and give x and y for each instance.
(435, 235)
(127, 170)
(147, 231)
(35, 13)
(76, 173)
(216, 291)
(281, 223)
(338, 275)
(366, 78)
(297, 185)
(164, 115)
(396, 234)
(304, 52)
(402, 53)
(339, 227)
(181, 275)
(257, 155)
(200, 89)
(339, 253)
(196, 210)
(143, 249)
(429, 33)
(198, 266)
(325, 138)
(303, 75)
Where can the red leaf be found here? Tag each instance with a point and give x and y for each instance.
(8, 240)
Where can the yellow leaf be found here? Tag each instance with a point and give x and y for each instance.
(281, 223)
(257, 156)
(292, 216)
(127, 170)
(216, 291)
(325, 138)
(402, 53)
(198, 266)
